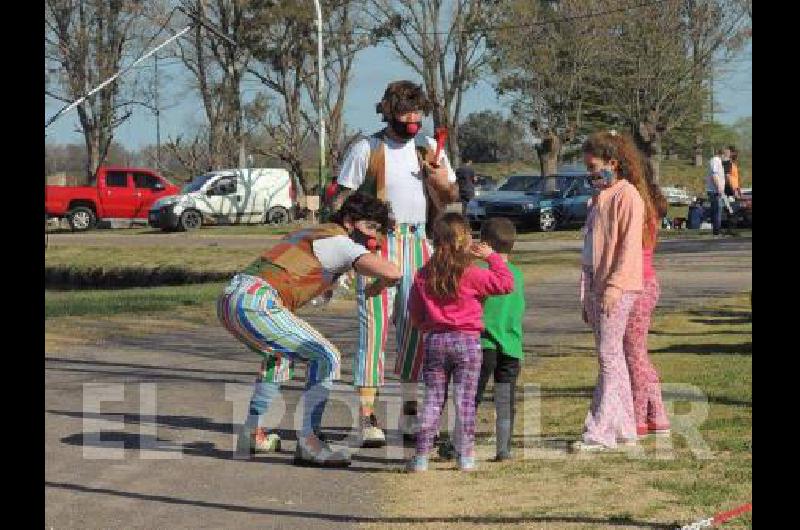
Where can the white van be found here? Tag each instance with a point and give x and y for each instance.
(229, 196)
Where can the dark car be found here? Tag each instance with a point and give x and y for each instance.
(533, 201)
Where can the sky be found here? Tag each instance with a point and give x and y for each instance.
(373, 69)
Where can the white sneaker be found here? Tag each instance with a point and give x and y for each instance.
(371, 434)
(587, 447)
(315, 453)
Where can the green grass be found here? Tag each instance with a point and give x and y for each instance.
(207, 258)
(138, 300)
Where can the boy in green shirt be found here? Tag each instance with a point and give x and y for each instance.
(501, 340)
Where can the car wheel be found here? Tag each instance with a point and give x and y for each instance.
(547, 221)
(278, 215)
(190, 220)
(81, 219)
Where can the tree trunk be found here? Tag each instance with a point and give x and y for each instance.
(454, 151)
(549, 152)
(698, 149)
(655, 157)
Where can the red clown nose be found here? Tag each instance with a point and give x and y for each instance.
(412, 128)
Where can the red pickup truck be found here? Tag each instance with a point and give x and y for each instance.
(119, 193)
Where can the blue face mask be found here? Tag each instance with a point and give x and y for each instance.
(608, 176)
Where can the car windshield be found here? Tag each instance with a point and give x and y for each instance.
(555, 186)
(517, 183)
(197, 183)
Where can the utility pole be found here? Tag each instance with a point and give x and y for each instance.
(158, 119)
(320, 90)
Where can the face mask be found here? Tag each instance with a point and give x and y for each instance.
(369, 242)
(608, 176)
(406, 130)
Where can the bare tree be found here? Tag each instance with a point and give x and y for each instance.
(347, 31)
(444, 46)
(85, 41)
(217, 67)
(284, 49)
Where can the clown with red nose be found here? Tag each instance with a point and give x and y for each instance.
(409, 170)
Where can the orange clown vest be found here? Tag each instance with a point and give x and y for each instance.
(292, 269)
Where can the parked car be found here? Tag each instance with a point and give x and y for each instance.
(230, 196)
(533, 201)
(118, 193)
(742, 211)
(676, 195)
(484, 184)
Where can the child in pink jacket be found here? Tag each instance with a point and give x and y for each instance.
(445, 303)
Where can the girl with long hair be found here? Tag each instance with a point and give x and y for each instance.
(612, 280)
(648, 405)
(445, 303)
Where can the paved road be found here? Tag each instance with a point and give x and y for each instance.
(203, 486)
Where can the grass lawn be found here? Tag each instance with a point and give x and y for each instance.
(705, 349)
(134, 301)
(207, 258)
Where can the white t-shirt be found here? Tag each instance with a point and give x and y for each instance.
(404, 191)
(715, 179)
(337, 254)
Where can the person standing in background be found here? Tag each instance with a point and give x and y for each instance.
(715, 186)
(465, 176)
(733, 178)
(726, 168)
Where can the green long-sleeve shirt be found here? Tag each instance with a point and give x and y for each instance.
(502, 318)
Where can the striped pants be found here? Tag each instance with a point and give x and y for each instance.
(648, 406)
(251, 310)
(407, 247)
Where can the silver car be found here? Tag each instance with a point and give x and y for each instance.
(677, 196)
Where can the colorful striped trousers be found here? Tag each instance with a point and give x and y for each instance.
(251, 310)
(407, 247)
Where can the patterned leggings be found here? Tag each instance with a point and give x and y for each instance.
(648, 406)
(458, 354)
(611, 415)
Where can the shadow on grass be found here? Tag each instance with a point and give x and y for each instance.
(608, 522)
(744, 348)
(721, 321)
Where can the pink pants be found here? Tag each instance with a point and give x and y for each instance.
(610, 417)
(648, 407)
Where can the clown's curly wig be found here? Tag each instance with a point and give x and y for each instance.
(403, 96)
